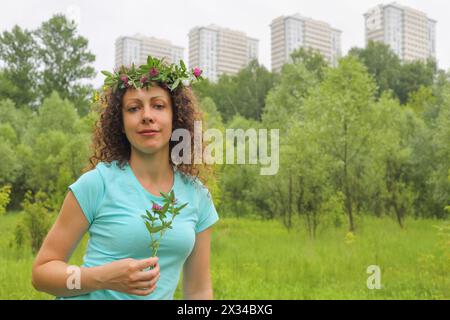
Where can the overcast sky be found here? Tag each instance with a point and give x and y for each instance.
(102, 21)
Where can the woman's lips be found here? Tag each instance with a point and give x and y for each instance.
(149, 134)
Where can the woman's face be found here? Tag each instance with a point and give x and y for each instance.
(147, 118)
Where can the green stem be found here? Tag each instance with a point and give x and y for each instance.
(155, 243)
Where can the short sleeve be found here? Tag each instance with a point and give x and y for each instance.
(89, 190)
(207, 211)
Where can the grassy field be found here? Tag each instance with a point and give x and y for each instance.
(262, 260)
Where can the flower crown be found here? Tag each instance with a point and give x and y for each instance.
(170, 76)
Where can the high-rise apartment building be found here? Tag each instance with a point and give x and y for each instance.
(295, 31)
(218, 50)
(408, 32)
(135, 49)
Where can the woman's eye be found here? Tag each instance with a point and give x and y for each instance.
(132, 109)
(159, 106)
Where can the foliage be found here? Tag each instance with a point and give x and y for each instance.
(36, 222)
(390, 74)
(172, 75)
(5, 192)
(51, 58)
(157, 221)
(368, 137)
(242, 94)
(19, 78)
(313, 61)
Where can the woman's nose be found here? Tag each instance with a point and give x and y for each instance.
(147, 115)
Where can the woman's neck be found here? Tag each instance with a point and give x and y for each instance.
(153, 169)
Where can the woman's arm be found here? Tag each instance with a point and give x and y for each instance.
(196, 276)
(51, 271)
(50, 268)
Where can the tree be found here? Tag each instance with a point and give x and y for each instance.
(13, 125)
(422, 100)
(441, 141)
(412, 76)
(395, 133)
(252, 85)
(284, 103)
(312, 59)
(203, 89)
(66, 60)
(242, 94)
(223, 94)
(236, 180)
(7, 88)
(57, 113)
(429, 144)
(211, 115)
(381, 62)
(52, 58)
(18, 118)
(302, 185)
(448, 207)
(391, 74)
(36, 221)
(9, 137)
(5, 191)
(19, 77)
(342, 108)
(306, 176)
(10, 168)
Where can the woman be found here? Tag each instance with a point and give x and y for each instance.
(131, 165)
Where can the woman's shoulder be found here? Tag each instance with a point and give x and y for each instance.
(200, 197)
(108, 168)
(102, 174)
(194, 186)
(91, 177)
(189, 181)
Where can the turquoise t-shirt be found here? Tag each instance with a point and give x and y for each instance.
(113, 200)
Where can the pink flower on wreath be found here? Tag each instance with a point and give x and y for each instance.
(154, 72)
(197, 72)
(144, 79)
(156, 207)
(124, 79)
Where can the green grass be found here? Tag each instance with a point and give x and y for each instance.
(261, 260)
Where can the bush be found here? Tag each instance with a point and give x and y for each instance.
(20, 236)
(333, 211)
(36, 222)
(5, 192)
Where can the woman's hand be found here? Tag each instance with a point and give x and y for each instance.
(129, 276)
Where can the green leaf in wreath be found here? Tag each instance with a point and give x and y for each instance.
(107, 73)
(183, 66)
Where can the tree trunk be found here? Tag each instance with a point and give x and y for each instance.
(397, 210)
(348, 199)
(309, 224)
(315, 223)
(290, 202)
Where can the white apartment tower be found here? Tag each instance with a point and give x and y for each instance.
(408, 32)
(220, 51)
(135, 49)
(292, 32)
